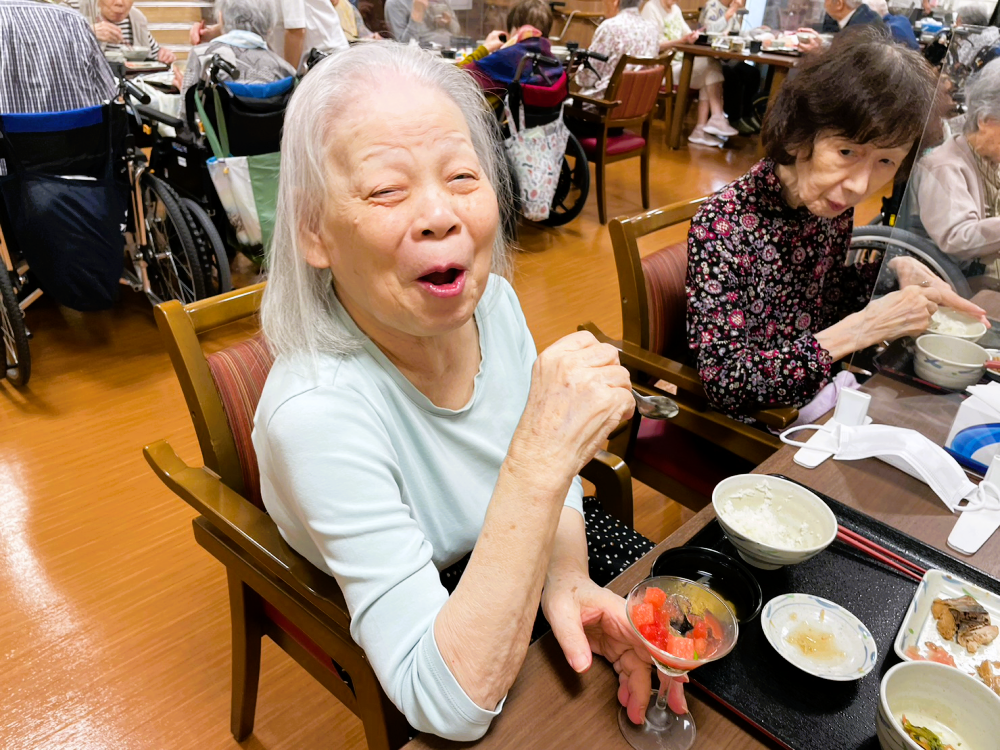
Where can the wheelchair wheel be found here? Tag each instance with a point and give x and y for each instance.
(211, 249)
(883, 238)
(573, 187)
(15, 335)
(173, 263)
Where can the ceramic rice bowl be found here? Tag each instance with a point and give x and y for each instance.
(949, 362)
(958, 708)
(799, 508)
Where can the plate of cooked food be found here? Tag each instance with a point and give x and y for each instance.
(952, 621)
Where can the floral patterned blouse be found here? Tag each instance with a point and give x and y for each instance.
(762, 278)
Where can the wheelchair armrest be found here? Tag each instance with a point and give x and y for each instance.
(149, 113)
(685, 378)
(613, 485)
(249, 528)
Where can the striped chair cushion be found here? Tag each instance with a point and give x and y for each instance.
(239, 372)
(664, 272)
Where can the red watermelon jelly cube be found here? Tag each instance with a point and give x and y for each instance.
(642, 614)
(655, 596)
(679, 646)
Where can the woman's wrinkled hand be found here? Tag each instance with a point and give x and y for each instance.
(579, 394)
(587, 620)
(906, 312)
(107, 32)
(911, 272)
(166, 56)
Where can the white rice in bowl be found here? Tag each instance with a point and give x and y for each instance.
(767, 517)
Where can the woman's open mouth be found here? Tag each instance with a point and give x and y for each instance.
(445, 283)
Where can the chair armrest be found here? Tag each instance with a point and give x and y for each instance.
(685, 378)
(613, 485)
(249, 528)
(584, 99)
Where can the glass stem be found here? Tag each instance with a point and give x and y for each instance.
(661, 696)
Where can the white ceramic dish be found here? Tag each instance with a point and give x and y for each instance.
(919, 626)
(961, 711)
(135, 53)
(794, 504)
(949, 362)
(948, 322)
(788, 617)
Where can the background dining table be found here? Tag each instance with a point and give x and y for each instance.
(778, 71)
(550, 707)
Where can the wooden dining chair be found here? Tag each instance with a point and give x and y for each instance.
(685, 457)
(274, 591)
(630, 102)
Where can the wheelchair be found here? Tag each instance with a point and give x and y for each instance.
(543, 104)
(238, 119)
(81, 214)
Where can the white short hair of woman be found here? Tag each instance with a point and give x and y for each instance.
(296, 312)
(982, 96)
(257, 16)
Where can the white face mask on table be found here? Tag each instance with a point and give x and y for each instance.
(911, 452)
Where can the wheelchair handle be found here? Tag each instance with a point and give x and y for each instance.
(218, 65)
(134, 92)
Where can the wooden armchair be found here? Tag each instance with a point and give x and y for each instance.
(684, 458)
(273, 591)
(630, 101)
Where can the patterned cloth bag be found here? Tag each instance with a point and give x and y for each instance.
(536, 156)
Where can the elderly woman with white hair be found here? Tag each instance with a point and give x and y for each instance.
(244, 25)
(958, 183)
(407, 424)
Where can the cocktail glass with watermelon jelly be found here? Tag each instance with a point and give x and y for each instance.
(683, 624)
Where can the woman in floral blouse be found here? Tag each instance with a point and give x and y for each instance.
(771, 303)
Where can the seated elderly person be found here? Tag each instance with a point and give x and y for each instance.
(712, 128)
(622, 32)
(841, 14)
(771, 303)
(118, 24)
(245, 25)
(407, 421)
(957, 185)
(495, 62)
(427, 21)
(50, 61)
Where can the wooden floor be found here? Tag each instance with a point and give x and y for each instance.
(113, 624)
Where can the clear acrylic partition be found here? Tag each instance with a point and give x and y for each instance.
(899, 396)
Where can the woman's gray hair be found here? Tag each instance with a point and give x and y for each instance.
(982, 96)
(297, 309)
(257, 16)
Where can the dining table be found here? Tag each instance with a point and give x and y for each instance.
(550, 707)
(779, 65)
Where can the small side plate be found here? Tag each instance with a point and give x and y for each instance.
(919, 625)
(796, 616)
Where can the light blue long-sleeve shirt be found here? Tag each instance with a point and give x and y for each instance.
(375, 485)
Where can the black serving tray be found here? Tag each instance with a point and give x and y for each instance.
(795, 709)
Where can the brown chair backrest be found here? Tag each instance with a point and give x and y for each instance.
(664, 273)
(635, 83)
(654, 305)
(222, 389)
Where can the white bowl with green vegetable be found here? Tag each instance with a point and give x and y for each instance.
(936, 701)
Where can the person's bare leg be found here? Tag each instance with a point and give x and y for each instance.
(703, 107)
(713, 97)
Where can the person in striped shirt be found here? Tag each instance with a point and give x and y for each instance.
(117, 24)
